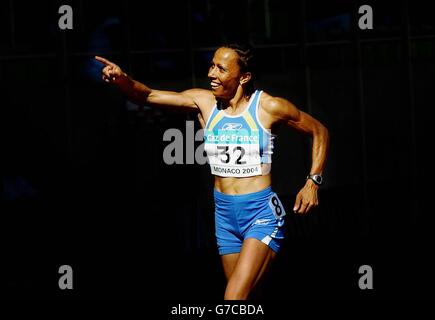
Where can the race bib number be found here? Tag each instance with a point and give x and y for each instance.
(277, 209)
(233, 153)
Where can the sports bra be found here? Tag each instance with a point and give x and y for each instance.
(237, 146)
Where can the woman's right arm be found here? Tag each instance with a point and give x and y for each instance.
(142, 94)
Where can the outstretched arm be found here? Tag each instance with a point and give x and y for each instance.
(285, 112)
(142, 94)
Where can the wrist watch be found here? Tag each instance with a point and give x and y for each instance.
(317, 178)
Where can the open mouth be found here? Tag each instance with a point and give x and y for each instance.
(214, 85)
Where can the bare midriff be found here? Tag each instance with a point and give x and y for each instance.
(236, 186)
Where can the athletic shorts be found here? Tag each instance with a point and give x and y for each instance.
(258, 215)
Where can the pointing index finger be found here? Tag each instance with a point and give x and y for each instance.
(104, 61)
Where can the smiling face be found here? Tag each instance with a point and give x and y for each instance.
(224, 73)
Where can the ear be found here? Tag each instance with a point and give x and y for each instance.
(245, 77)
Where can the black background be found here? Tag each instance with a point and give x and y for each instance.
(83, 178)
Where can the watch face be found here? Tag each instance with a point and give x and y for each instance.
(318, 179)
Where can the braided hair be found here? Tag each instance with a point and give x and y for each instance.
(246, 63)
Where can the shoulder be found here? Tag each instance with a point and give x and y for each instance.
(277, 107)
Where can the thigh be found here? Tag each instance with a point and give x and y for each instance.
(253, 261)
(229, 262)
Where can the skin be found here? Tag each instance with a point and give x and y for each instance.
(245, 269)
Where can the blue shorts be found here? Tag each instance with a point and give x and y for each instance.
(258, 215)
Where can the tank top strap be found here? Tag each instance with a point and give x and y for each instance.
(254, 106)
(213, 115)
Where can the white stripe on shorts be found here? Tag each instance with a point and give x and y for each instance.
(266, 240)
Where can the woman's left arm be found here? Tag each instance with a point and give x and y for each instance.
(283, 111)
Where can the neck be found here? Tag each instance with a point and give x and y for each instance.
(237, 102)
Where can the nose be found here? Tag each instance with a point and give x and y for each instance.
(211, 73)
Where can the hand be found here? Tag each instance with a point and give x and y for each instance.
(111, 73)
(306, 199)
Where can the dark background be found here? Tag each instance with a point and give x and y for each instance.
(83, 181)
